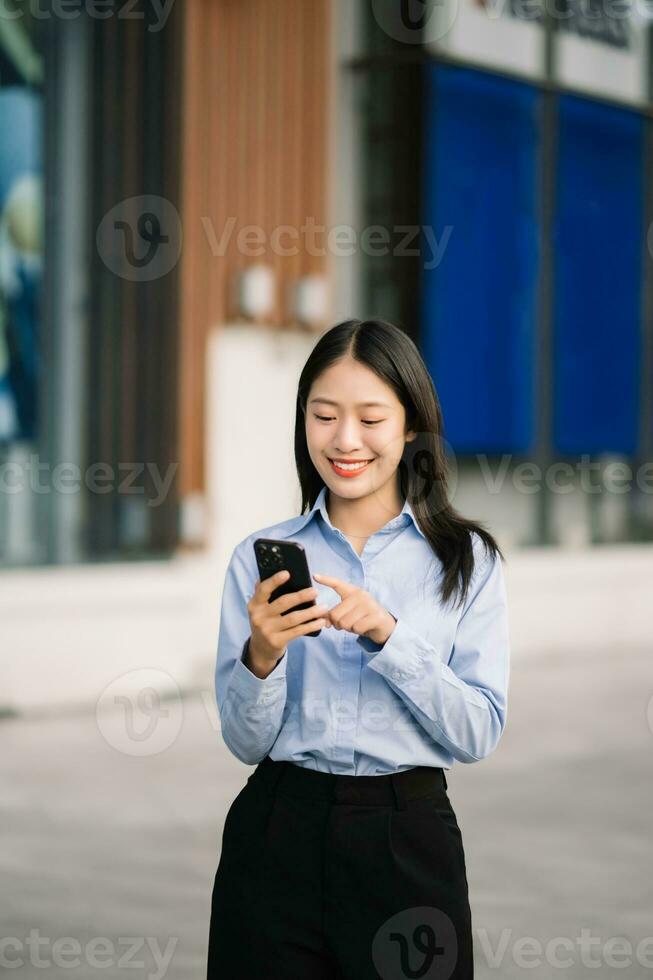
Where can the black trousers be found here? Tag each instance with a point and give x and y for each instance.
(325, 877)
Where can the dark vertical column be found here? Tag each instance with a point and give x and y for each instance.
(391, 178)
(545, 353)
(63, 403)
(640, 499)
(132, 365)
(47, 396)
(106, 308)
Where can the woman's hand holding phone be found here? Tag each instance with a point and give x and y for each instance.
(271, 632)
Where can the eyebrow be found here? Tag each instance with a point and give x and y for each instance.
(329, 401)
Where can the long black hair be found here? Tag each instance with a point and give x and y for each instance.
(423, 469)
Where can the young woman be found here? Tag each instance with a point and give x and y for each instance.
(342, 856)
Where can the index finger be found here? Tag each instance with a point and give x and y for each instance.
(266, 586)
(341, 587)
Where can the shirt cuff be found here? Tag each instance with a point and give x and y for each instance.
(259, 689)
(403, 656)
(370, 646)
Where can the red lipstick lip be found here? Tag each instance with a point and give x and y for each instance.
(338, 459)
(350, 474)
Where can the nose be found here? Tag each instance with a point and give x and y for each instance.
(347, 437)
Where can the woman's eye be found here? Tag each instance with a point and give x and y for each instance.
(329, 418)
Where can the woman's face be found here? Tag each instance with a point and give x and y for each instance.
(352, 415)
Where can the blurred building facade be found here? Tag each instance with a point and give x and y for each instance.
(517, 137)
(189, 195)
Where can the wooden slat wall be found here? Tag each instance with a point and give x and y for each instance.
(132, 344)
(255, 144)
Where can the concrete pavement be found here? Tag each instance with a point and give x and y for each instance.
(119, 850)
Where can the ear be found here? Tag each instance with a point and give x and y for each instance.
(410, 435)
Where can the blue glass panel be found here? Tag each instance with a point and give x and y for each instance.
(598, 269)
(479, 301)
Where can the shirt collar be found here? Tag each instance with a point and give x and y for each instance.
(405, 516)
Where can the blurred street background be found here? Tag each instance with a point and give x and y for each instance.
(191, 192)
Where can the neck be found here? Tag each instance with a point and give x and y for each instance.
(362, 517)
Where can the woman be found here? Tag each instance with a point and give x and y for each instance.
(342, 856)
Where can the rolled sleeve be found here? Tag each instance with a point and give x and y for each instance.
(462, 703)
(250, 687)
(250, 707)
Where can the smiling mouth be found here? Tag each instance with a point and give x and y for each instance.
(350, 469)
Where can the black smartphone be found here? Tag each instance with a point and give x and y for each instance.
(272, 556)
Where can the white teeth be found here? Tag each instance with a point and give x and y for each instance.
(350, 466)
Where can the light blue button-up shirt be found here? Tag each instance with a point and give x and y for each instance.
(435, 692)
